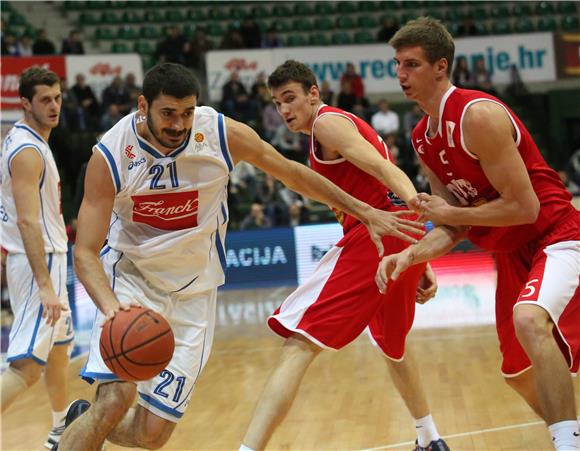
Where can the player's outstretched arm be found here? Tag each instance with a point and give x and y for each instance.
(93, 224)
(245, 144)
(26, 169)
(338, 134)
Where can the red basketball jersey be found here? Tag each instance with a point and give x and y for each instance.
(347, 176)
(459, 169)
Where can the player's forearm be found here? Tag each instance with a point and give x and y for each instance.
(497, 213)
(90, 272)
(398, 182)
(314, 186)
(34, 247)
(435, 244)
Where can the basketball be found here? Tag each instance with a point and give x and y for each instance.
(137, 344)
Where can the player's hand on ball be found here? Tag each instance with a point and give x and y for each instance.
(390, 267)
(427, 286)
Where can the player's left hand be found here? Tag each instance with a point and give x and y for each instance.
(381, 223)
(427, 285)
(390, 267)
(432, 208)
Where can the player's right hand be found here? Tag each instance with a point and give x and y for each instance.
(111, 309)
(51, 306)
(383, 223)
(390, 267)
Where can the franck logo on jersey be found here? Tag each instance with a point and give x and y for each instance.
(167, 211)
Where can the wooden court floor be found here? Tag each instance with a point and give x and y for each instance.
(346, 401)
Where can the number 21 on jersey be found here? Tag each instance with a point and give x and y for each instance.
(157, 171)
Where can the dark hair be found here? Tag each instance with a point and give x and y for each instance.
(292, 71)
(34, 76)
(170, 79)
(429, 34)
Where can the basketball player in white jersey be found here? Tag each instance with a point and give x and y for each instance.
(34, 236)
(156, 189)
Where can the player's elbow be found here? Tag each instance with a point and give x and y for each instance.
(530, 211)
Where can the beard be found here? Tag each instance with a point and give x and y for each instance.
(170, 132)
(42, 120)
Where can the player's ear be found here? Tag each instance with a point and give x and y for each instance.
(314, 94)
(442, 66)
(142, 104)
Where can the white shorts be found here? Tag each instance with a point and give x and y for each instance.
(30, 336)
(192, 319)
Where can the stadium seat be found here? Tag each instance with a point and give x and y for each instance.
(453, 28)
(119, 4)
(303, 9)
(217, 13)
(547, 23)
(524, 25)
(119, 47)
(323, 23)
(281, 10)
(68, 5)
(501, 27)
(189, 30)
(142, 47)
(153, 16)
(567, 8)
(365, 21)
(296, 40)
(282, 26)
(499, 11)
(127, 32)
(87, 19)
(481, 28)
(318, 39)
(456, 14)
(111, 18)
(131, 17)
(237, 13)
(570, 23)
(324, 8)
(346, 7)
(369, 7)
(174, 15)
(544, 8)
(104, 34)
(521, 9)
(196, 15)
(435, 14)
(302, 24)
(345, 22)
(341, 38)
(406, 17)
(259, 12)
(363, 37)
(215, 29)
(149, 32)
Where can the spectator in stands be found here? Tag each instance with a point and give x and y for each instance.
(357, 87)
(232, 40)
(346, 100)
(197, 48)
(391, 142)
(573, 171)
(235, 99)
(172, 48)
(116, 94)
(70, 113)
(289, 144)
(88, 102)
(24, 47)
(481, 78)
(243, 181)
(10, 44)
(421, 181)
(461, 75)
(4, 50)
(259, 83)
(133, 90)
(568, 183)
(385, 121)
(326, 94)
(73, 44)
(410, 119)
(42, 45)
(516, 87)
(298, 212)
(271, 40)
(111, 116)
(388, 29)
(268, 195)
(467, 27)
(256, 219)
(271, 120)
(251, 34)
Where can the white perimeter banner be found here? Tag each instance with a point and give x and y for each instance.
(532, 53)
(100, 70)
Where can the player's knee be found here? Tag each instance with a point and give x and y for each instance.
(113, 401)
(532, 324)
(155, 435)
(27, 370)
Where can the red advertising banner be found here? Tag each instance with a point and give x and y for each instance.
(13, 66)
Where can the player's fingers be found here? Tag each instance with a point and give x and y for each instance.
(410, 223)
(405, 237)
(379, 245)
(399, 268)
(415, 228)
(423, 197)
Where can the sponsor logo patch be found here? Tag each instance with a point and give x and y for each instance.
(128, 152)
(167, 211)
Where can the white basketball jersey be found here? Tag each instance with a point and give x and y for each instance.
(170, 212)
(21, 137)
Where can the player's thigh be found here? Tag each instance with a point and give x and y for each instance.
(192, 319)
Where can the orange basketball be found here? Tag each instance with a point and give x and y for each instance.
(137, 344)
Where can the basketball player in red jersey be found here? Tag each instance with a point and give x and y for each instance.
(489, 180)
(340, 300)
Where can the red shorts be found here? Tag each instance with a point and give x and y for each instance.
(340, 299)
(546, 273)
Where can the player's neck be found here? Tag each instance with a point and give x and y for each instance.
(308, 129)
(432, 104)
(43, 131)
